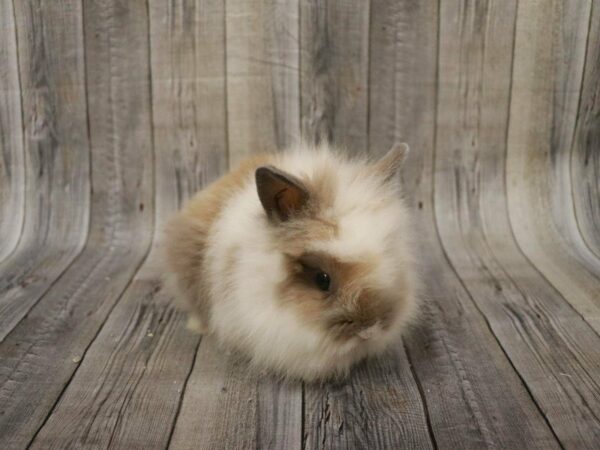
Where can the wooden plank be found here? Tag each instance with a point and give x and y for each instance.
(283, 57)
(552, 349)
(335, 72)
(127, 390)
(225, 406)
(335, 67)
(585, 157)
(12, 168)
(402, 75)
(549, 59)
(461, 370)
(56, 152)
(144, 350)
(188, 95)
(44, 350)
(259, 412)
(378, 407)
(262, 76)
(218, 409)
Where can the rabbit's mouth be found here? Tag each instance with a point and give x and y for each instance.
(370, 332)
(347, 330)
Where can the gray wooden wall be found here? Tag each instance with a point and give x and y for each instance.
(113, 112)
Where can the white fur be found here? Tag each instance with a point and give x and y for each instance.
(246, 313)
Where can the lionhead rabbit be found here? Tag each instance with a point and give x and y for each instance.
(301, 261)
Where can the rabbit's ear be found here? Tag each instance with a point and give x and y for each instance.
(389, 165)
(281, 194)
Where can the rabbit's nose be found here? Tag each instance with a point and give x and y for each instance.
(371, 331)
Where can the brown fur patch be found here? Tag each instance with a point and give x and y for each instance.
(188, 231)
(352, 302)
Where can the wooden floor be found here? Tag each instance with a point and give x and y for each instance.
(112, 113)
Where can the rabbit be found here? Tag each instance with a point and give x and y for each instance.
(300, 261)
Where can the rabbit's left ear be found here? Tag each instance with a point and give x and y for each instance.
(389, 165)
(282, 195)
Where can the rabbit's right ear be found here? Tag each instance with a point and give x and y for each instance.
(281, 194)
(389, 165)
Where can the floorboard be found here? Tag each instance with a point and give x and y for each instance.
(129, 384)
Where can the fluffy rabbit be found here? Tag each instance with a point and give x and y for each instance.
(300, 261)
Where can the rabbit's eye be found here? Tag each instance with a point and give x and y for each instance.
(322, 280)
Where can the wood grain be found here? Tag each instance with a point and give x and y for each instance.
(262, 76)
(334, 71)
(56, 152)
(549, 345)
(127, 390)
(543, 116)
(378, 407)
(188, 98)
(283, 59)
(12, 168)
(46, 346)
(247, 410)
(585, 157)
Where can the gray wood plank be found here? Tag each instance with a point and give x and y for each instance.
(225, 406)
(334, 72)
(56, 153)
(379, 407)
(219, 406)
(260, 412)
(473, 396)
(585, 157)
(44, 350)
(262, 76)
(553, 350)
(548, 67)
(283, 58)
(128, 390)
(12, 165)
(188, 98)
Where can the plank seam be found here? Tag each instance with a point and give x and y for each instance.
(368, 80)
(299, 137)
(422, 395)
(183, 391)
(304, 436)
(153, 218)
(19, 238)
(225, 88)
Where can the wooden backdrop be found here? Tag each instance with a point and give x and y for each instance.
(113, 112)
